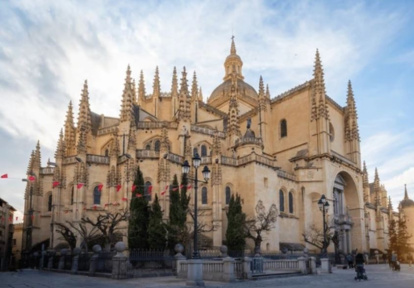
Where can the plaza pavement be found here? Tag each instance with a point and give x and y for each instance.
(379, 276)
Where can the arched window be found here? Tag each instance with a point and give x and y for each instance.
(283, 128)
(106, 152)
(195, 151)
(96, 196)
(290, 202)
(203, 150)
(72, 194)
(148, 147)
(157, 145)
(148, 190)
(49, 203)
(204, 195)
(282, 201)
(228, 195)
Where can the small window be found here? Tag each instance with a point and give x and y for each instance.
(148, 190)
(106, 152)
(96, 196)
(49, 203)
(204, 196)
(195, 151)
(228, 195)
(331, 132)
(290, 202)
(282, 201)
(148, 147)
(283, 128)
(203, 151)
(157, 145)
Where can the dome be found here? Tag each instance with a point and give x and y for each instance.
(406, 203)
(225, 87)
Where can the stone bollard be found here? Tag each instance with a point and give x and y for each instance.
(75, 260)
(302, 265)
(312, 265)
(247, 270)
(94, 259)
(228, 269)
(179, 258)
(51, 254)
(63, 253)
(223, 250)
(119, 262)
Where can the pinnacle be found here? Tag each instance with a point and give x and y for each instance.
(233, 46)
(261, 86)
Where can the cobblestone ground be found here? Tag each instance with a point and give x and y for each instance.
(379, 276)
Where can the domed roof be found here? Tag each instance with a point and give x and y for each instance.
(407, 202)
(225, 87)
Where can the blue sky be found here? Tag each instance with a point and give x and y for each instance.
(48, 48)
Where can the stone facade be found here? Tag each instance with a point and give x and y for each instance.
(6, 234)
(286, 150)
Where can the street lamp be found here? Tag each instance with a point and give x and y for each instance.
(206, 175)
(323, 206)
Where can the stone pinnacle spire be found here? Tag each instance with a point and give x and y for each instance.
(261, 87)
(319, 92)
(141, 88)
(84, 116)
(70, 132)
(194, 88)
(60, 149)
(127, 98)
(233, 47)
(405, 192)
(156, 92)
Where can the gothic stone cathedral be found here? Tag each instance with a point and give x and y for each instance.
(287, 150)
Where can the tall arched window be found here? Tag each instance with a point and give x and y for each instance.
(228, 195)
(204, 195)
(283, 128)
(282, 201)
(72, 195)
(203, 150)
(49, 203)
(157, 145)
(148, 190)
(290, 202)
(96, 195)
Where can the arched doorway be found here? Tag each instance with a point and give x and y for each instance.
(346, 213)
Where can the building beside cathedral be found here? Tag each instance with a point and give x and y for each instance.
(286, 150)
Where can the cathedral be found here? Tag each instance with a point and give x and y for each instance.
(287, 150)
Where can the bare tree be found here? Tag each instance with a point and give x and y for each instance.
(70, 230)
(107, 224)
(262, 222)
(315, 236)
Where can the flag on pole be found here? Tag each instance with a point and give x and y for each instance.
(175, 189)
(100, 187)
(165, 190)
(55, 184)
(189, 187)
(4, 176)
(149, 191)
(32, 178)
(80, 185)
(118, 187)
(138, 195)
(124, 199)
(181, 186)
(133, 188)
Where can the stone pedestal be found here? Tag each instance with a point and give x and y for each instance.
(325, 265)
(61, 264)
(120, 262)
(50, 261)
(94, 259)
(228, 269)
(195, 273)
(302, 265)
(312, 265)
(179, 258)
(247, 271)
(75, 260)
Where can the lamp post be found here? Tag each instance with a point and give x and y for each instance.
(323, 206)
(206, 175)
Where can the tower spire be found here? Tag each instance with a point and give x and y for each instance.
(184, 99)
(405, 192)
(156, 86)
(194, 88)
(319, 89)
(60, 149)
(233, 64)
